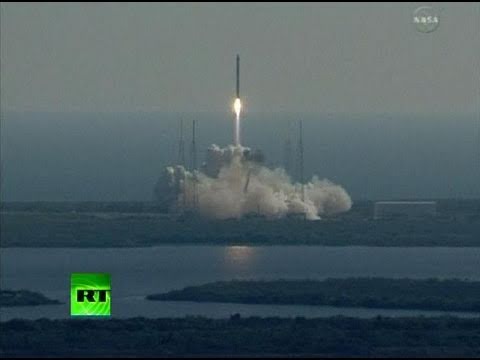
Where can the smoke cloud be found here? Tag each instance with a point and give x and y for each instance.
(233, 183)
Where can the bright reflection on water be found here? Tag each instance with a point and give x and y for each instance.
(239, 257)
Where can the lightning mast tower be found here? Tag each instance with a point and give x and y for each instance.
(181, 145)
(287, 154)
(300, 162)
(300, 158)
(181, 161)
(193, 152)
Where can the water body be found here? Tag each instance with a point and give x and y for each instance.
(137, 272)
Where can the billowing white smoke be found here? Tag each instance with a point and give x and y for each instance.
(232, 184)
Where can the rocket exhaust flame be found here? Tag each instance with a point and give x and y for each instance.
(237, 107)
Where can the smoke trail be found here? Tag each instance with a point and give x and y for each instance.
(234, 183)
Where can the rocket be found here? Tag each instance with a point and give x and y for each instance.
(238, 76)
(237, 107)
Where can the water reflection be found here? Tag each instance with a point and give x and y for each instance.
(239, 257)
(137, 272)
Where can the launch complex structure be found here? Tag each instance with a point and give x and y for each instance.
(293, 165)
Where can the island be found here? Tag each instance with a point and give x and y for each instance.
(24, 298)
(421, 294)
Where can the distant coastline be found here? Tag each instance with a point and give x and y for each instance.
(24, 298)
(145, 224)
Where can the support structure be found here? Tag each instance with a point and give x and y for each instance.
(193, 156)
(300, 158)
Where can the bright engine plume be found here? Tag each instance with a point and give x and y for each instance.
(237, 108)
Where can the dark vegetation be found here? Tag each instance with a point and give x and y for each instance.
(83, 206)
(97, 224)
(445, 295)
(24, 298)
(337, 336)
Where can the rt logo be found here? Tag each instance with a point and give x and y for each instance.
(90, 294)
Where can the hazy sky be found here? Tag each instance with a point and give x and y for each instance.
(352, 58)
